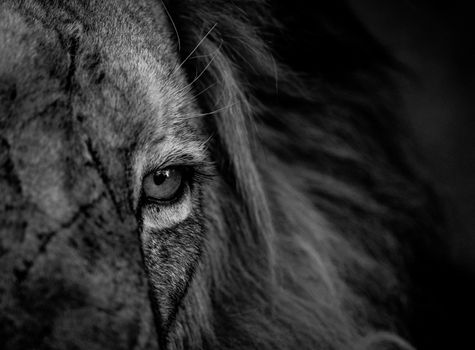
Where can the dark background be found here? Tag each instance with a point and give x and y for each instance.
(436, 41)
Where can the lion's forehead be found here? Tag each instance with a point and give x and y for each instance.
(133, 85)
(118, 75)
(125, 64)
(131, 89)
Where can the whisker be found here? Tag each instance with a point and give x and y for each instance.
(196, 47)
(204, 90)
(209, 113)
(173, 24)
(202, 56)
(206, 142)
(202, 72)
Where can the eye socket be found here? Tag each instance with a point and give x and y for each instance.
(164, 185)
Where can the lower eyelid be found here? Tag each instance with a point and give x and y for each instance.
(158, 216)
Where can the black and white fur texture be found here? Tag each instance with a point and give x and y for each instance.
(304, 223)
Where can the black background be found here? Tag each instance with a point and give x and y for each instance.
(436, 41)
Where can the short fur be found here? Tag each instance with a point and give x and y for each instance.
(312, 230)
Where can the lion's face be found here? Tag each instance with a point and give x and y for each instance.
(203, 174)
(101, 157)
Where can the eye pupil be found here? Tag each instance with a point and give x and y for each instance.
(160, 176)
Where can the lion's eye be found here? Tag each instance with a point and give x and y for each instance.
(163, 185)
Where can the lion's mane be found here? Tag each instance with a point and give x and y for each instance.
(318, 216)
(314, 228)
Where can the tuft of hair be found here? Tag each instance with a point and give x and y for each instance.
(318, 218)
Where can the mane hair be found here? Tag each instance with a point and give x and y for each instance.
(317, 217)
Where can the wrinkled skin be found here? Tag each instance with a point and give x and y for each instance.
(86, 97)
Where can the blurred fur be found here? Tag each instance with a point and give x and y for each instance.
(317, 217)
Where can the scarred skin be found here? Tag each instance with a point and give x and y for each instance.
(82, 92)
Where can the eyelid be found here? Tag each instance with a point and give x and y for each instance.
(147, 162)
(151, 201)
(198, 170)
(181, 160)
(186, 169)
(192, 175)
(157, 216)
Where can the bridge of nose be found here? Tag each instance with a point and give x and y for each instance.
(70, 261)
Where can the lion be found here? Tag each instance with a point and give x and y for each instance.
(205, 174)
